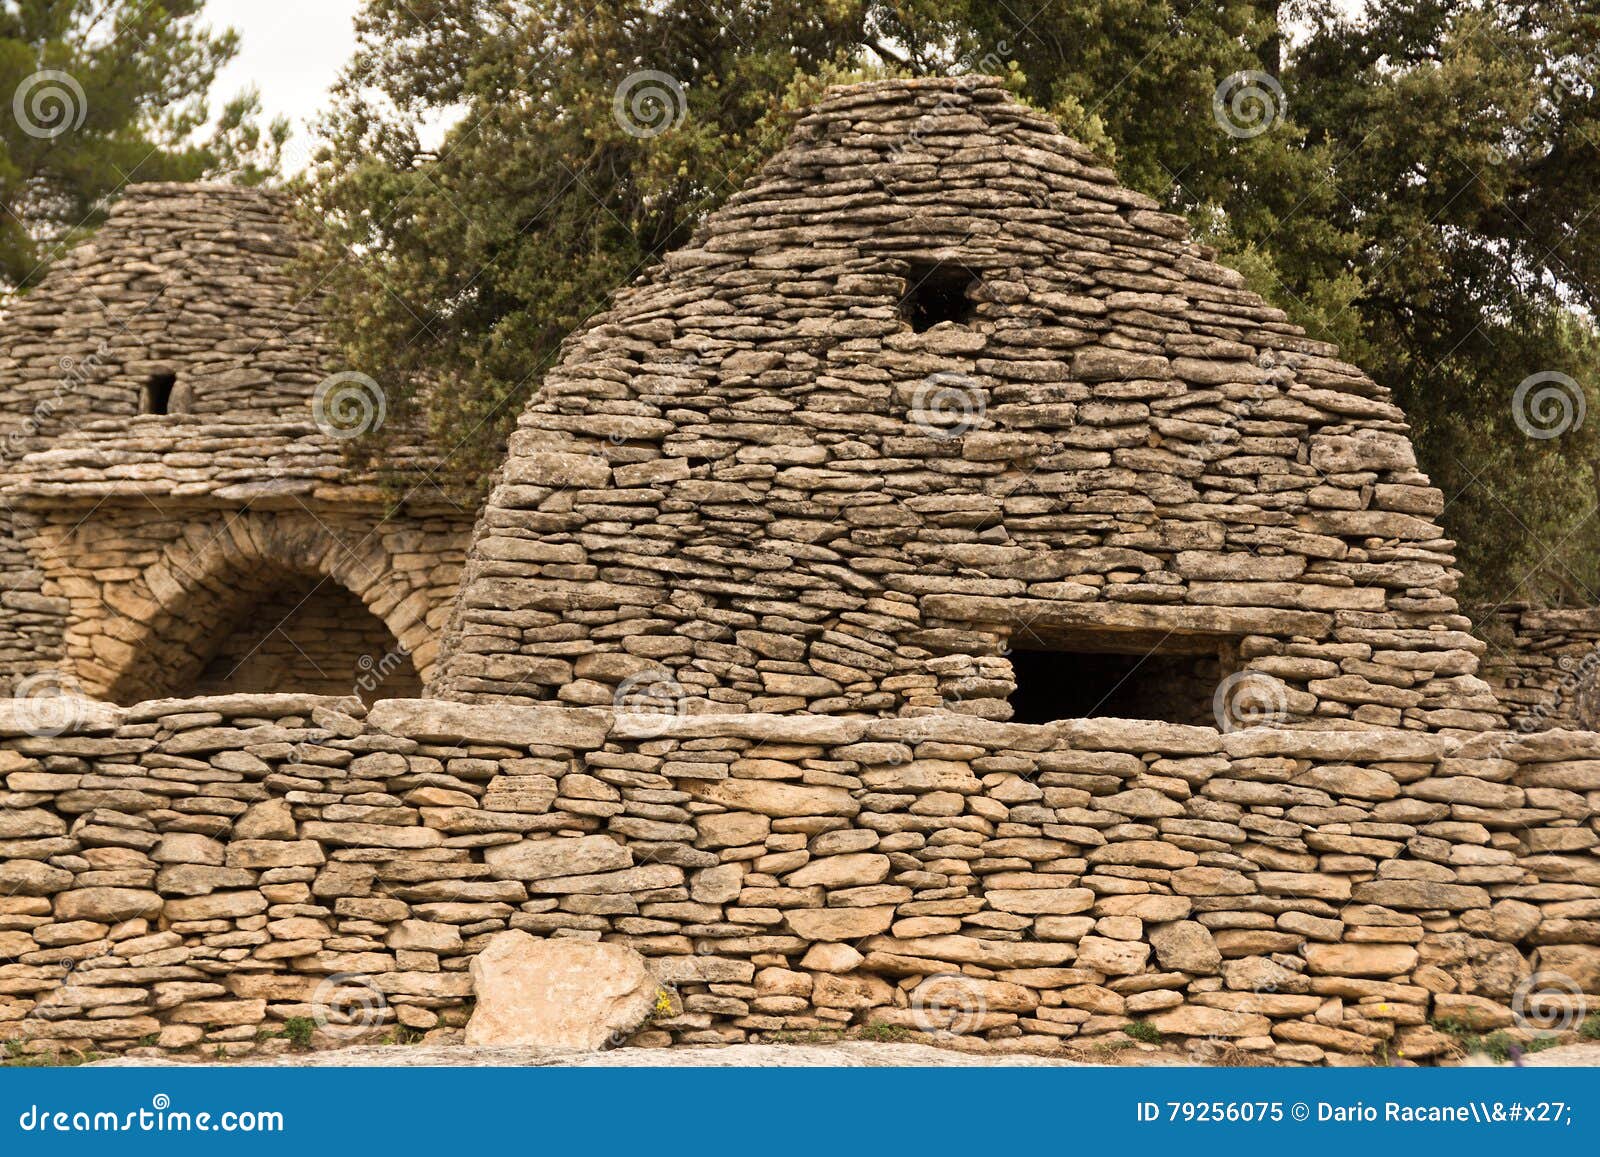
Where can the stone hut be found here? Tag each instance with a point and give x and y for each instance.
(935, 413)
(178, 515)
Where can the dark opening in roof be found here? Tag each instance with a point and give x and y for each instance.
(937, 292)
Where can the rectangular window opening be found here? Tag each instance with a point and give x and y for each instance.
(157, 397)
(1083, 679)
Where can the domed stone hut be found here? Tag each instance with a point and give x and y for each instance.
(179, 516)
(935, 413)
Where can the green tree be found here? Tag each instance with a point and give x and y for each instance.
(97, 94)
(466, 267)
(1465, 142)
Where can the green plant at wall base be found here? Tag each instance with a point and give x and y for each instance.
(1144, 1032)
(298, 1031)
(17, 1057)
(1590, 1028)
(814, 1036)
(884, 1033)
(1496, 1045)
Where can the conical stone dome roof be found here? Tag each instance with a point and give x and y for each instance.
(193, 281)
(933, 397)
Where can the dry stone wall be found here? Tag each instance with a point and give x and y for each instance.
(195, 282)
(316, 637)
(134, 535)
(150, 592)
(195, 874)
(1544, 665)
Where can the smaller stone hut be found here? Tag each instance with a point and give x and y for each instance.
(179, 516)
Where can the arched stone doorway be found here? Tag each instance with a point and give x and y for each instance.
(251, 602)
(277, 631)
(309, 635)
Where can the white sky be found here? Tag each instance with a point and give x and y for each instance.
(292, 50)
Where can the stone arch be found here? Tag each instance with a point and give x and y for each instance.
(160, 628)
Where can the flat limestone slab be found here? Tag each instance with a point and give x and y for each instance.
(565, 994)
(439, 721)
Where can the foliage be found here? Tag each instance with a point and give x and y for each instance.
(1465, 144)
(473, 263)
(1419, 193)
(298, 1030)
(1498, 1046)
(1143, 1031)
(17, 1056)
(98, 94)
(884, 1033)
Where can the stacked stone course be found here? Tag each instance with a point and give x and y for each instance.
(196, 281)
(818, 533)
(185, 874)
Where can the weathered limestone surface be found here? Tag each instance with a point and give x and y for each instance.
(761, 483)
(192, 872)
(727, 682)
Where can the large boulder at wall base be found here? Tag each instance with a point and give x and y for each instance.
(558, 994)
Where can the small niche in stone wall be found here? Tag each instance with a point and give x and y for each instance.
(157, 396)
(1053, 682)
(937, 292)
